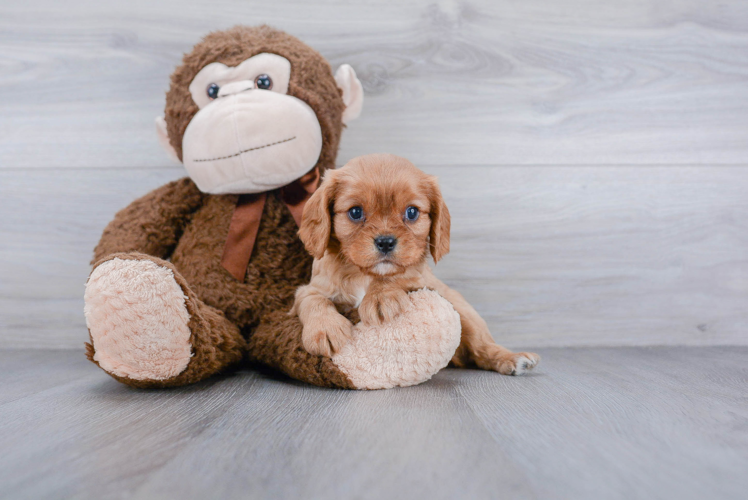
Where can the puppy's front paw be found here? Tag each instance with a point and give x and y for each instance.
(326, 335)
(517, 363)
(382, 307)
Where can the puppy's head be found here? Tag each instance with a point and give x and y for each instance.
(380, 213)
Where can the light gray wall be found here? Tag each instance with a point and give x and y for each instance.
(594, 154)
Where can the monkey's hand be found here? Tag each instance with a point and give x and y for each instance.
(326, 333)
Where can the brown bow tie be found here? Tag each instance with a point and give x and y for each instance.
(246, 221)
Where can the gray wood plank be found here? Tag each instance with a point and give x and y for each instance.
(549, 256)
(51, 222)
(658, 422)
(602, 256)
(655, 423)
(96, 438)
(26, 372)
(303, 442)
(480, 82)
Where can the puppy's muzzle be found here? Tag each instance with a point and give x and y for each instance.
(385, 244)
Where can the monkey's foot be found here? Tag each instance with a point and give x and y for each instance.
(138, 320)
(407, 350)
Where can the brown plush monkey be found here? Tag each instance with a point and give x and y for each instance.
(199, 274)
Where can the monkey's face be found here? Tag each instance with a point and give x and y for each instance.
(254, 109)
(249, 135)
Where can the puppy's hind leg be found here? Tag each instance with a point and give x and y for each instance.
(477, 346)
(491, 356)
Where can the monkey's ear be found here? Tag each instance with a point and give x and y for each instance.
(316, 222)
(353, 92)
(163, 138)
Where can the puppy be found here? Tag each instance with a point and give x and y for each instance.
(370, 227)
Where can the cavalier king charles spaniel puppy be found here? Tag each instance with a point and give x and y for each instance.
(370, 227)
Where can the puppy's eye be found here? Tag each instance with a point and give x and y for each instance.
(356, 214)
(411, 214)
(264, 82)
(212, 90)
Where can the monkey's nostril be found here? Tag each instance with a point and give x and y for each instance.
(385, 244)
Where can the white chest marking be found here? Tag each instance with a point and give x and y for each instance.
(358, 295)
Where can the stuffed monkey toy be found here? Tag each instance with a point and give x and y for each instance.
(198, 276)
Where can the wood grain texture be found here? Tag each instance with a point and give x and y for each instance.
(550, 256)
(51, 222)
(479, 82)
(614, 423)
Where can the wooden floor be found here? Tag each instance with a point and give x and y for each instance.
(591, 423)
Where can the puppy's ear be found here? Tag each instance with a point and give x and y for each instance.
(440, 222)
(316, 222)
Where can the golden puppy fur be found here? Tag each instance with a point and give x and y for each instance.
(349, 225)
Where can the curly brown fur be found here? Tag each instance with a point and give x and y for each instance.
(277, 343)
(153, 223)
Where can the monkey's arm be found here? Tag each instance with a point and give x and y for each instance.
(152, 224)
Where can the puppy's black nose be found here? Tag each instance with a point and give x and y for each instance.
(385, 244)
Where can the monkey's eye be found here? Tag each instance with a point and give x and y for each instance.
(263, 82)
(411, 213)
(356, 214)
(213, 91)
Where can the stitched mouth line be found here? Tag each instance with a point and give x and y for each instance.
(247, 150)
